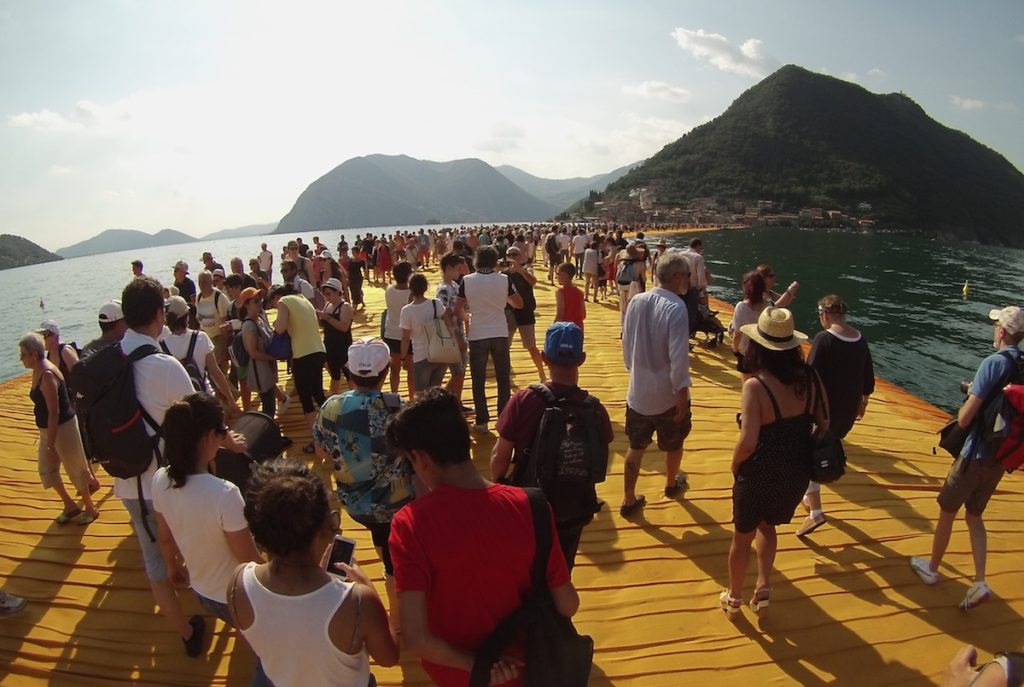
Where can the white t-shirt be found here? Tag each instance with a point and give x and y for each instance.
(744, 315)
(199, 514)
(486, 294)
(177, 344)
(416, 317)
(396, 299)
(579, 243)
(160, 380)
(266, 259)
(211, 311)
(564, 240)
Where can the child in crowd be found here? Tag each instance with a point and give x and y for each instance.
(569, 300)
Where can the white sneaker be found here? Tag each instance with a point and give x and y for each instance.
(10, 604)
(922, 566)
(977, 594)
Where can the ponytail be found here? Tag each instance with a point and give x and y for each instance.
(187, 421)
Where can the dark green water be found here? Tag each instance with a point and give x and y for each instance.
(905, 294)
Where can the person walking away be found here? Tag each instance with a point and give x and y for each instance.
(372, 482)
(456, 583)
(306, 626)
(627, 276)
(573, 502)
(655, 336)
(842, 359)
(297, 318)
(755, 300)
(396, 297)
(524, 319)
(570, 303)
(414, 319)
(591, 265)
(974, 476)
(771, 464)
(202, 531)
(453, 268)
(700, 275)
(484, 294)
(579, 248)
(60, 443)
(336, 320)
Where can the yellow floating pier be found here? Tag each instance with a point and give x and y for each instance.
(846, 608)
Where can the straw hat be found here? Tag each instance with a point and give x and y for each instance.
(774, 330)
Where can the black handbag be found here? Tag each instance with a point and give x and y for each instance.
(828, 459)
(952, 437)
(556, 655)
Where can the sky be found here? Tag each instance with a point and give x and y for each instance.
(200, 115)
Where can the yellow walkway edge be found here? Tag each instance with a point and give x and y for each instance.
(846, 608)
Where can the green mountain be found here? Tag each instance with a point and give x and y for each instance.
(811, 140)
(113, 240)
(562, 192)
(395, 190)
(18, 252)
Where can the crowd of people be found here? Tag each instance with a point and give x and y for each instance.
(456, 548)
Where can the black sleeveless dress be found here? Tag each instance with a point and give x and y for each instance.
(336, 344)
(773, 480)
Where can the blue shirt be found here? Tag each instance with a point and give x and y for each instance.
(372, 484)
(992, 374)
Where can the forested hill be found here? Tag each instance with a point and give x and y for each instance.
(811, 140)
(16, 251)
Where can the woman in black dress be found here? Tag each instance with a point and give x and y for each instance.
(842, 359)
(336, 320)
(771, 461)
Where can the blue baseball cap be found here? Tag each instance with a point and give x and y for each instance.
(563, 343)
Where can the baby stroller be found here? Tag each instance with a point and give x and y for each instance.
(263, 442)
(703, 320)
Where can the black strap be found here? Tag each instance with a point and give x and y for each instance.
(543, 537)
(191, 347)
(144, 511)
(819, 392)
(771, 397)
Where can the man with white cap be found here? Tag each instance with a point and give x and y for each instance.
(62, 355)
(974, 475)
(112, 328)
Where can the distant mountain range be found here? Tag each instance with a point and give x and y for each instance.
(16, 251)
(806, 139)
(113, 240)
(562, 193)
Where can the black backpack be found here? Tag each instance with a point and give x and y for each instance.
(551, 245)
(567, 457)
(556, 654)
(189, 363)
(104, 385)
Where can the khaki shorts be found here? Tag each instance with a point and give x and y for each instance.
(970, 482)
(72, 457)
(641, 428)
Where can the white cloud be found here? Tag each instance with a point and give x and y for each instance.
(966, 104)
(44, 120)
(658, 90)
(748, 59)
(60, 170)
(877, 74)
(851, 76)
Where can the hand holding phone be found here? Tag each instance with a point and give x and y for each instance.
(342, 550)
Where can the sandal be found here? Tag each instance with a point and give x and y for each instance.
(84, 518)
(67, 516)
(626, 511)
(810, 524)
(760, 600)
(730, 604)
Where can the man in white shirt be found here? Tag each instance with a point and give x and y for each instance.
(655, 347)
(579, 247)
(266, 259)
(700, 276)
(485, 293)
(564, 242)
(160, 381)
(290, 274)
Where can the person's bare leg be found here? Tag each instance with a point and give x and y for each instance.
(455, 384)
(672, 461)
(767, 543)
(538, 361)
(396, 367)
(940, 540)
(979, 544)
(739, 559)
(630, 475)
(166, 598)
(69, 504)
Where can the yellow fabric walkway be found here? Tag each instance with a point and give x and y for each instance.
(846, 607)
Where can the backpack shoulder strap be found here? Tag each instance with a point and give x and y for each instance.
(191, 346)
(543, 537)
(138, 354)
(545, 392)
(163, 347)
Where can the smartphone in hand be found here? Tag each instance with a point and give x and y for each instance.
(342, 550)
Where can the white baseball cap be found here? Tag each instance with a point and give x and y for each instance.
(368, 357)
(49, 326)
(111, 312)
(1010, 318)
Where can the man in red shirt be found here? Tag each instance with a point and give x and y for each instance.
(574, 505)
(462, 553)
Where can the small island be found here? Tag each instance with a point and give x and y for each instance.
(16, 251)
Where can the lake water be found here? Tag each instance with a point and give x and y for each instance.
(904, 292)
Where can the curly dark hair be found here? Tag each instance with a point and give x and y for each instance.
(185, 423)
(285, 505)
(432, 422)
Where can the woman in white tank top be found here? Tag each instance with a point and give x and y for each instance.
(307, 627)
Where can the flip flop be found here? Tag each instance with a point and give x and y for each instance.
(66, 517)
(84, 518)
(626, 511)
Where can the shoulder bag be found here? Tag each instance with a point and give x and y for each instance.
(828, 459)
(442, 347)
